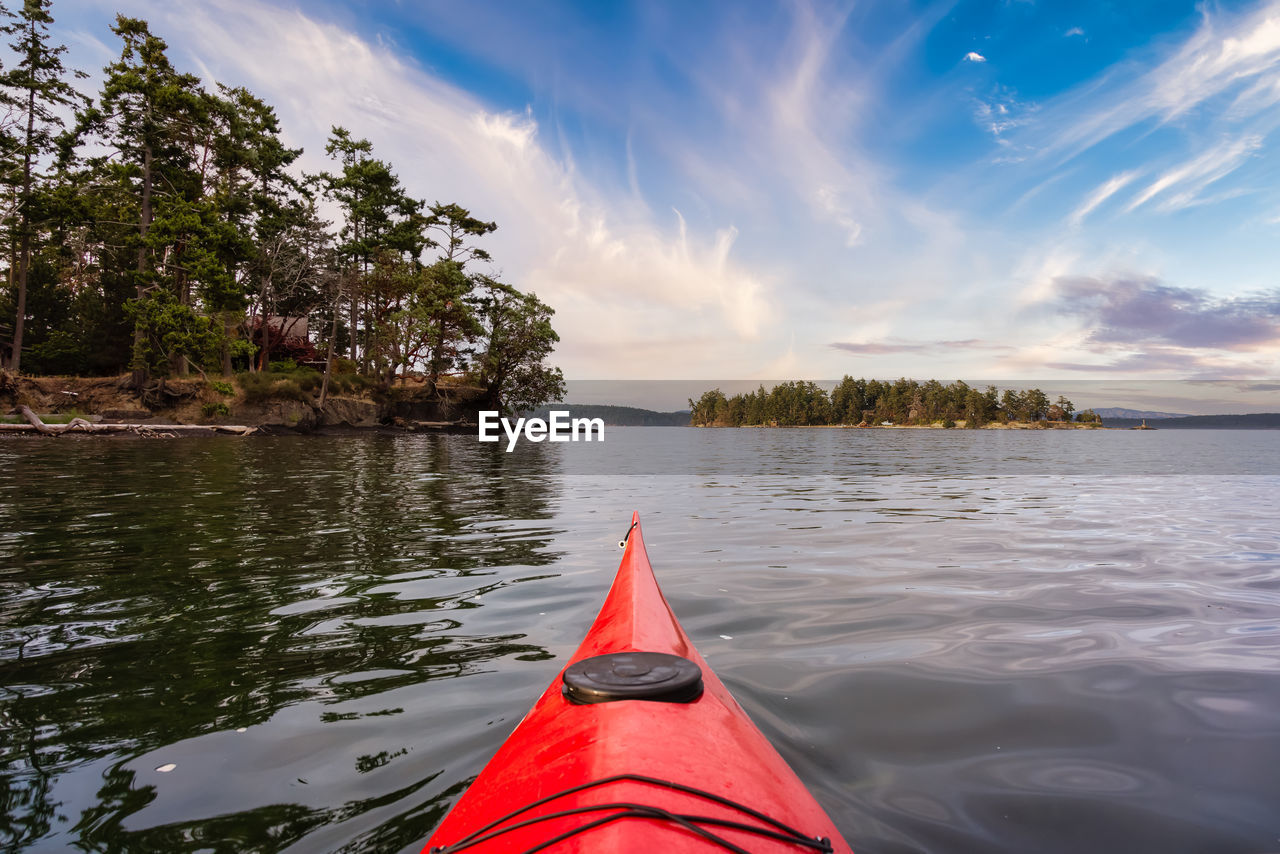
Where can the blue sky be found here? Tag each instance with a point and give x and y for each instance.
(760, 190)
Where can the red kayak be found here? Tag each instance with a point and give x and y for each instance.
(636, 747)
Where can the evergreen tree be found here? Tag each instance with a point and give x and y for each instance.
(174, 209)
(454, 224)
(450, 294)
(518, 339)
(379, 216)
(152, 120)
(35, 87)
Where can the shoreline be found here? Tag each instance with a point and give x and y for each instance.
(268, 403)
(959, 425)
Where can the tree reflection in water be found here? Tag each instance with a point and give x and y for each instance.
(160, 595)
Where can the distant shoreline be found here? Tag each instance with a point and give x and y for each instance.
(959, 425)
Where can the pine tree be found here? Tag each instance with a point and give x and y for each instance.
(36, 86)
(155, 123)
(380, 217)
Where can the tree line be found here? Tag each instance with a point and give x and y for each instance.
(160, 227)
(870, 402)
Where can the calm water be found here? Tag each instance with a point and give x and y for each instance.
(962, 642)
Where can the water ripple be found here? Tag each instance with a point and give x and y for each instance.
(327, 638)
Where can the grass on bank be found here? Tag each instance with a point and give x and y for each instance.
(52, 418)
(291, 381)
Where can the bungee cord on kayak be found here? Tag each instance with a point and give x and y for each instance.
(496, 828)
(622, 543)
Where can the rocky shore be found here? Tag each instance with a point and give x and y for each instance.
(192, 402)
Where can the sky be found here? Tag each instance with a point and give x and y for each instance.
(802, 190)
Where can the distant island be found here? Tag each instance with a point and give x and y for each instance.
(620, 416)
(1253, 421)
(1110, 412)
(873, 403)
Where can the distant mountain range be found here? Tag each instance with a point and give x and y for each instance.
(631, 416)
(1254, 421)
(620, 416)
(1120, 412)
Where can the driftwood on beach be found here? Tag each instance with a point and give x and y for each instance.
(80, 425)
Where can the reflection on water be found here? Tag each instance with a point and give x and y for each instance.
(313, 644)
(271, 618)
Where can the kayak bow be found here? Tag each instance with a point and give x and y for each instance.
(636, 747)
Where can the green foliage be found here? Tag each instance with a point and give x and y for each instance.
(861, 401)
(168, 331)
(268, 385)
(54, 418)
(350, 383)
(34, 91)
(222, 388)
(454, 224)
(61, 352)
(292, 379)
(215, 409)
(165, 226)
(519, 339)
(445, 315)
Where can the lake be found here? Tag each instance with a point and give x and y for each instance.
(963, 641)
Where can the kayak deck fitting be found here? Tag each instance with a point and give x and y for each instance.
(636, 744)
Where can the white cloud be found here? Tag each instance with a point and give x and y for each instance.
(790, 139)
(828, 200)
(1217, 58)
(1261, 96)
(1226, 53)
(1074, 31)
(1100, 194)
(1197, 174)
(619, 278)
(1000, 113)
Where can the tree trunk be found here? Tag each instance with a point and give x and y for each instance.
(328, 359)
(15, 361)
(81, 425)
(178, 364)
(351, 333)
(24, 223)
(227, 329)
(144, 222)
(264, 326)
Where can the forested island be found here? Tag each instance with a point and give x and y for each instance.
(866, 403)
(161, 229)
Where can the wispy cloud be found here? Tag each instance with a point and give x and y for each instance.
(1221, 55)
(1240, 52)
(1001, 112)
(892, 346)
(1197, 174)
(614, 271)
(735, 209)
(794, 112)
(829, 201)
(1100, 194)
